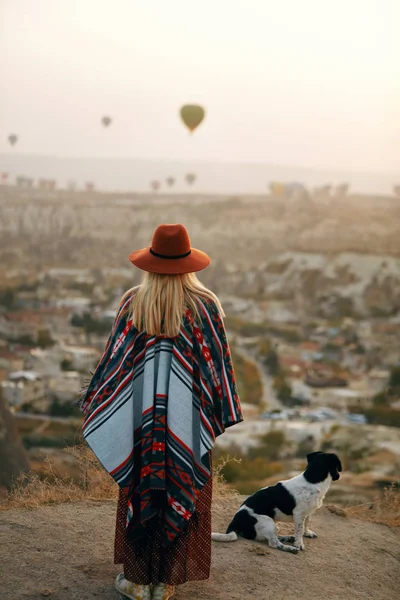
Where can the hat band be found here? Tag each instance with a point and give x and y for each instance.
(167, 256)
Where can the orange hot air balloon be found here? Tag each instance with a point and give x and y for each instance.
(192, 115)
(155, 185)
(106, 120)
(4, 177)
(13, 139)
(277, 189)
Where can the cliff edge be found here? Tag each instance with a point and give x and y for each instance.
(65, 552)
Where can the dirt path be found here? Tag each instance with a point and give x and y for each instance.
(64, 552)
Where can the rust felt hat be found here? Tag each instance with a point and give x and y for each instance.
(170, 253)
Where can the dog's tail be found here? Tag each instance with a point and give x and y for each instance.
(224, 537)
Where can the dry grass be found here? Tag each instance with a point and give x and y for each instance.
(220, 487)
(385, 509)
(91, 483)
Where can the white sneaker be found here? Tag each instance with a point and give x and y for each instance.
(162, 591)
(134, 591)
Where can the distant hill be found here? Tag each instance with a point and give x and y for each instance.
(72, 230)
(217, 177)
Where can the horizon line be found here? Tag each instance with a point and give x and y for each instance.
(211, 161)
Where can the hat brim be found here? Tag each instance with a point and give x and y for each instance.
(196, 261)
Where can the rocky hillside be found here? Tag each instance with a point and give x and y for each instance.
(244, 231)
(347, 283)
(65, 552)
(346, 249)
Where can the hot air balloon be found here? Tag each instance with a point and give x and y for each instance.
(170, 181)
(106, 121)
(277, 189)
(192, 115)
(13, 139)
(155, 185)
(4, 177)
(190, 178)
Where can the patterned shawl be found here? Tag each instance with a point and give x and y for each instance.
(162, 401)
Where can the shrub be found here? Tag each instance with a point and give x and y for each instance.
(64, 409)
(44, 339)
(383, 415)
(93, 483)
(384, 509)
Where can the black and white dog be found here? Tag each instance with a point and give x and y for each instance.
(297, 498)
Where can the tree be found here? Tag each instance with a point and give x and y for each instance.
(283, 389)
(394, 379)
(7, 298)
(65, 409)
(272, 363)
(269, 356)
(13, 458)
(66, 365)
(392, 390)
(381, 399)
(44, 339)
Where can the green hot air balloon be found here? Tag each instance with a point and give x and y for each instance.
(192, 115)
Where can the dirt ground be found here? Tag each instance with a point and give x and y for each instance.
(65, 552)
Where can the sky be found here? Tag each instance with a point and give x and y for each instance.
(310, 83)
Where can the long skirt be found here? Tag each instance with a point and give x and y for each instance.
(150, 562)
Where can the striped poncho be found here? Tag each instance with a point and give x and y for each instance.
(164, 400)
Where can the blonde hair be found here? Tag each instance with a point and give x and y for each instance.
(160, 302)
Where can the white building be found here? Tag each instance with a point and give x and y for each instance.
(346, 398)
(24, 387)
(66, 386)
(359, 394)
(83, 358)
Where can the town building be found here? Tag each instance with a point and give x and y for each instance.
(24, 388)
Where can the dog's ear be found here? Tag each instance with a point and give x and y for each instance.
(312, 456)
(339, 464)
(335, 466)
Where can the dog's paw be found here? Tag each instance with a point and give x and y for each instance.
(310, 534)
(288, 539)
(286, 548)
(300, 546)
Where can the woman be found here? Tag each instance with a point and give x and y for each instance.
(162, 392)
